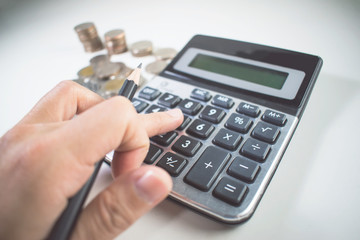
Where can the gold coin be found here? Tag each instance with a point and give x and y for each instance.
(115, 41)
(156, 67)
(141, 48)
(88, 36)
(86, 72)
(165, 53)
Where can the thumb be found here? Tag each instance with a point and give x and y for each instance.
(129, 196)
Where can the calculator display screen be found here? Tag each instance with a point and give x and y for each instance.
(255, 74)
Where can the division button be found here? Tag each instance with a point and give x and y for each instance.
(172, 163)
(200, 129)
(169, 100)
(239, 123)
(230, 191)
(190, 107)
(200, 94)
(212, 114)
(222, 101)
(274, 117)
(153, 153)
(244, 169)
(204, 172)
(164, 139)
(139, 105)
(149, 93)
(248, 109)
(186, 146)
(255, 149)
(266, 132)
(227, 139)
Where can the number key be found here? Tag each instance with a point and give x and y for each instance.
(212, 114)
(169, 100)
(200, 129)
(190, 107)
(186, 146)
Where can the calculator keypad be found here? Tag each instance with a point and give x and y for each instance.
(221, 153)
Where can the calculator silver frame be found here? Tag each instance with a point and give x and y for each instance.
(288, 91)
(215, 207)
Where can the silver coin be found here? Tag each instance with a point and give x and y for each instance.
(156, 67)
(107, 70)
(99, 60)
(141, 48)
(165, 53)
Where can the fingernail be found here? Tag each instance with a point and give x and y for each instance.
(151, 188)
(175, 113)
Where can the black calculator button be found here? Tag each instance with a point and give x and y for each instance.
(165, 139)
(200, 129)
(222, 101)
(153, 153)
(184, 124)
(200, 94)
(239, 123)
(212, 114)
(255, 149)
(149, 93)
(139, 105)
(169, 100)
(227, 139)
(266, 132)
(172, 163)
(248, 109)
(204, 172)
(186, 146)
(230, 190)
(190, 107)
(274, 117)
(154, 109)
(244, 169)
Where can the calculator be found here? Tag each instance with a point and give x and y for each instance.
(241, 103)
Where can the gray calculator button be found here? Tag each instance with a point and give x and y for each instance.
(169, 100)
(239, 123)
(153, 153)
(149, 93)
(184, 124)
(227, 139)
(266, 132)
(255, 149)
(222, 101)
(274, 117)
(248, 109)
(212, 114)
(139, 105)
(200, 129)
(244, 169)
(154, 109)
(204, 172)
(200, 94)
(172, 163)
(186, 146)
(164, 139)
(230, 190)
(190, 107)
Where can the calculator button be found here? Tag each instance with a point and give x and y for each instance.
(169, 100)
(227, 139)
(266, 132)
(204, 172)
(255, 149)
(248, 109)
(239, 123)
(222, 101)
(164, 139)
(139, 105)
(172, 163)
(154, 109)
(230, 191)
(190, 107)
(200, 129)
(186, 146)
(149, 93)
(153, 153)
(244, 169)
(200, 94)
(212, 114)
(184, 124)
(274, 117)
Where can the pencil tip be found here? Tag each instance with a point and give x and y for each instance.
(139, 65)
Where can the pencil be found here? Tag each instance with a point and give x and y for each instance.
(66, 222)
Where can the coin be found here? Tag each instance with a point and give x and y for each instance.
(99, 60)
(141, 48)
(165, 53)
(156, 67)
(107, 70)
(88, 36)
(86, 72)
(115, 41)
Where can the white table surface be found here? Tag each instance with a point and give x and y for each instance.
(315, 192)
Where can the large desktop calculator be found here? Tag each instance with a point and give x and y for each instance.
(241, 103)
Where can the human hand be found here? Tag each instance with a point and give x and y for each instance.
(49, 155)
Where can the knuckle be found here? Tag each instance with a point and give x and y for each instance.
(114, 216)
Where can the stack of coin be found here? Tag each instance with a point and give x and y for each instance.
(115, 41)
(165, 53)
(141, 48)
(89, 37)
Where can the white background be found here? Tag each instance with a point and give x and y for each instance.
(315, 192)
